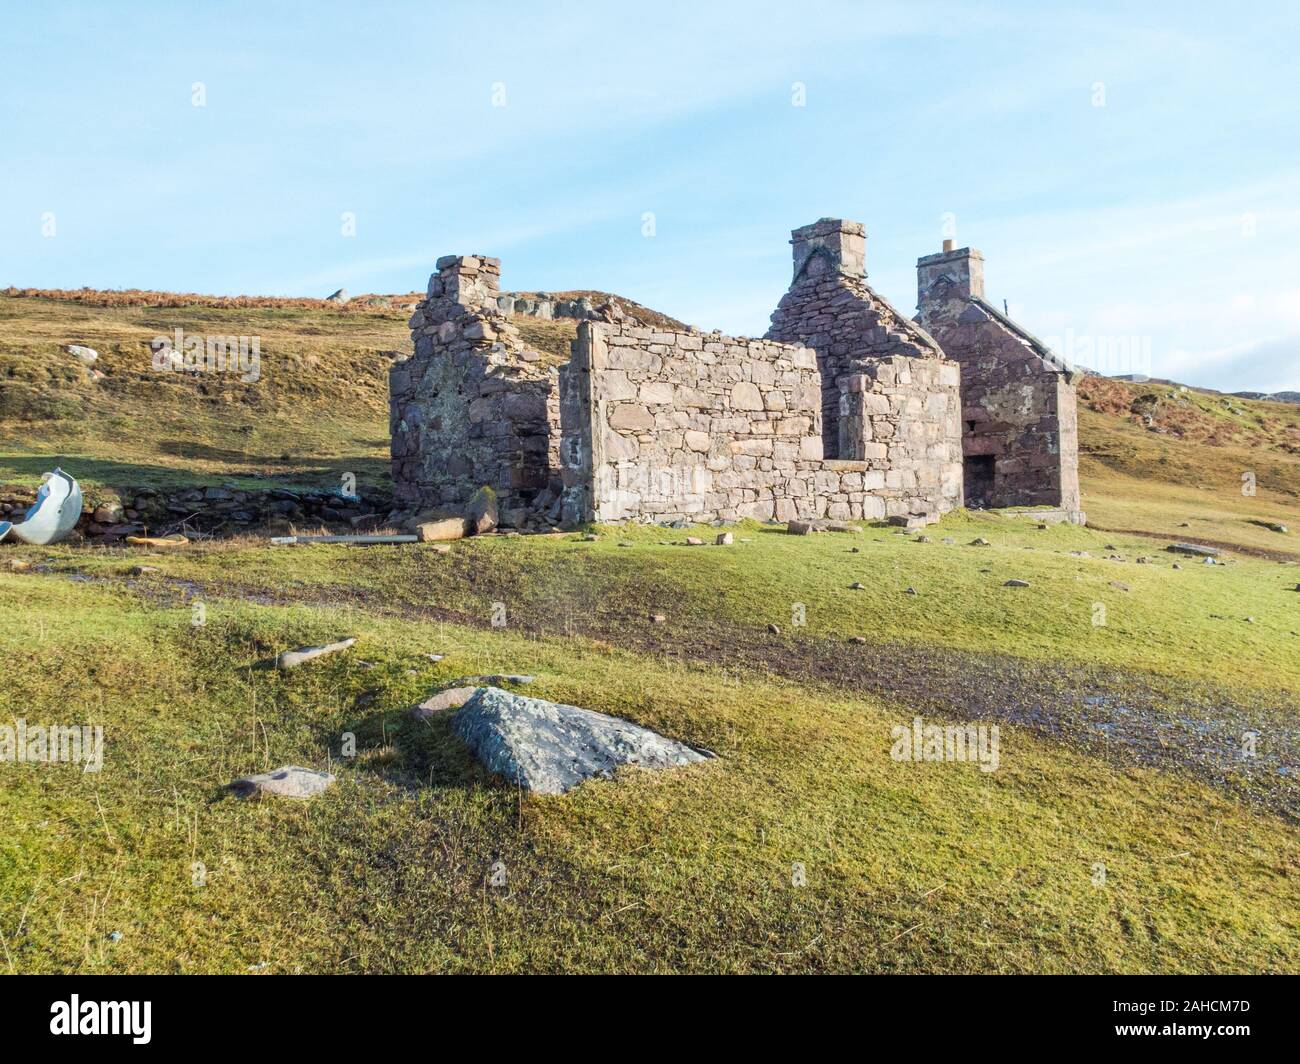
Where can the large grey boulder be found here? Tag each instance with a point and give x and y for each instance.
(549, 748)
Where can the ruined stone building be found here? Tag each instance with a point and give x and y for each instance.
(847, 409)
(1020, 437)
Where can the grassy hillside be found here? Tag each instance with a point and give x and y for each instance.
(1124, 831)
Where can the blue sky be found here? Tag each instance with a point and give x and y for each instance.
(1130, 172)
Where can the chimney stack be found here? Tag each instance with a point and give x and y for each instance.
(830, 245)
(962, 270)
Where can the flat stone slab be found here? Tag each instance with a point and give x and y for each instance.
(291, 659)
(1194, 549)
(450, 698)
(288, 781)
(549, 748)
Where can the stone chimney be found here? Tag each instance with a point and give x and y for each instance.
(948, 276)
(830, 245)
(470, 281)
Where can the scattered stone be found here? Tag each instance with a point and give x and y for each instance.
(775, 629)
(626, 543)
(341, 296)
(549, 748)
(291, 659)
(799, 528)
(433, 657)
(858, 640)
(910, 521)
(441, 529)
(1274, 526)
(17, 565)
(1194, 549)
(1175, 566)
(1120, 586)
(1210, 561)
(481, 511)
(724, 539)
(979, 541)
(1016, 583)
(910, 591)
(142, 570)
(289, 781)
(439, 548)
(842, 526)
(448, 698)
(590, 537)
(694, 541)
(657, 618)
(87, 355)
(1142, 559)
(855, 550)
(923, 539)
(1249, 620)
(857, 585)
(493, 680)
(175, 540)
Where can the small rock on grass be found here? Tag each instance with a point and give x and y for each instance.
(451, 698)
(496, 678)
(291, 659)
(1194, 549)
(775, 629)
(799, 528)
(724, 539)
(979, 541)
(858, 640)
(288, 781)
(910, 591)
(1016, 583)
(857, 585)
(694, 541)
(657, 618)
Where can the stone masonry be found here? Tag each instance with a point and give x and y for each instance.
(665, 426)
(472, 405)
(1020, 436)
(845, 410)
(830, 308)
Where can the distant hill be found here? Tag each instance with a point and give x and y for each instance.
(1271, 397)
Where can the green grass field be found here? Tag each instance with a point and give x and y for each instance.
(1123, 831)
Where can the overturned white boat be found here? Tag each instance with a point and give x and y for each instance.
(52, 516)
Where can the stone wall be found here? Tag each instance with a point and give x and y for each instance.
(831, 308)
(902, 417)
(1020, 437)
(472, 405)
(667, 425)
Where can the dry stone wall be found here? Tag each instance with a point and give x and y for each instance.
(472, 405)
(700, 427)
(902, 417)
